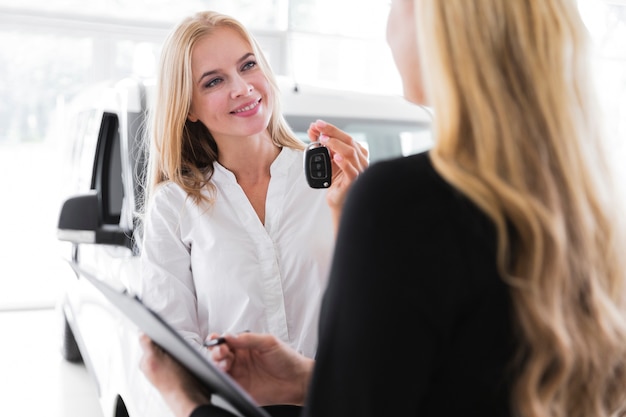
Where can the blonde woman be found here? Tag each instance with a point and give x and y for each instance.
(234, 238)
(487, 276)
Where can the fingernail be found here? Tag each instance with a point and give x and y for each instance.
(215, 342)
(320, 123)
(337, 157)
(323, 138)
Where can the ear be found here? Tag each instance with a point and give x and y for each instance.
(191, 117)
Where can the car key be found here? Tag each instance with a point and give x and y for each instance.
(317, 165)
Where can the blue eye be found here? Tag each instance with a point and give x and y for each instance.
(248, 65)
(213, 82)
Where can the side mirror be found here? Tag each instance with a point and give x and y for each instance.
(80, 221)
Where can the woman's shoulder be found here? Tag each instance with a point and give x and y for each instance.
(410, 183)
(167, 195)
(416, 162)
(168, 190)
(401, 174)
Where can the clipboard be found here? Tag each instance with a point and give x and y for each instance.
(149, 322)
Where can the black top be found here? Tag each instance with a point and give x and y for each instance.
(416, 320)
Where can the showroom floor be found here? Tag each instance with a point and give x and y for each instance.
(34, 378)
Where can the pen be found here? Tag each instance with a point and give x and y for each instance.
(219, 340)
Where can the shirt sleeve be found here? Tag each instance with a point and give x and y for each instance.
(166, 284)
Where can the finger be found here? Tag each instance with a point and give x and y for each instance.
(212, 340)
(148, 345)
(343, 148)
(340, 142)
(349, 170)
(222, 357)
(323, 127)
(250, 340)
(313, 132)
(350, 159)
(144, 341)
(149, 359)
(320, 128)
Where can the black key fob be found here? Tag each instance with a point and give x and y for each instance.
(317, 165)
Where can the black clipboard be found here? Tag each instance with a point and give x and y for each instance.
(169, 340)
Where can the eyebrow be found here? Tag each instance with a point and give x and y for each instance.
(208, 73)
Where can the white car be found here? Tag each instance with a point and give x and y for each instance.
(98, 222)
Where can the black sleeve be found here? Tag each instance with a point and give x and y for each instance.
(209, 410)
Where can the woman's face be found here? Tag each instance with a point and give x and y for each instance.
(402, 40)
(231, 95)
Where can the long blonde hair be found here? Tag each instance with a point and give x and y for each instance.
(182, 151)
(511, 89)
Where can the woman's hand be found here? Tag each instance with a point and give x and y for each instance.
(268, 369)
(349, 159)
(180, 390)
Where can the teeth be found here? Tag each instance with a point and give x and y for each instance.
(251, 106)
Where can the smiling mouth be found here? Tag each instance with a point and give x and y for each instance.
(248, 107)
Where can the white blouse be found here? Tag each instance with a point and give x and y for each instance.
(221, 270)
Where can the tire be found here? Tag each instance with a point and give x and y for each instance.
(69, 347)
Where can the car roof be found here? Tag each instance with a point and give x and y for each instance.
(307, 99)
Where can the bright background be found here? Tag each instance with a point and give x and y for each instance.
(52, 49)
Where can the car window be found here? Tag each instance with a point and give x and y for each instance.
(83, 130)
(383, 139)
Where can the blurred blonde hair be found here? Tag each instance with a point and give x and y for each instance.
(515, 131)
(182, 151)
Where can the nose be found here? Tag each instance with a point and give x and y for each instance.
(241, 87)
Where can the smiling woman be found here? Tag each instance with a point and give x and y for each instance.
(233, 235)
(51, 50)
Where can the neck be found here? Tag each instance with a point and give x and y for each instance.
(249, 160)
